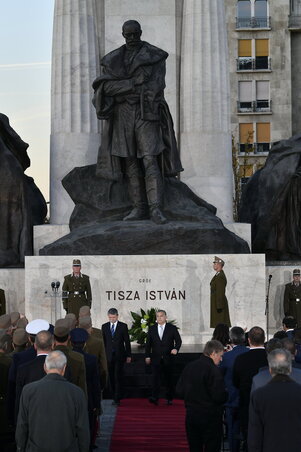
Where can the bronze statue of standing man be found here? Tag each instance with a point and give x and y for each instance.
(138, 136)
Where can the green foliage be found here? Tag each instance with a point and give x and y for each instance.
(141, 323)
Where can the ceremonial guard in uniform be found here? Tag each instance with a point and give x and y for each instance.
(292, 298)
(219, 311)
(2, 302)
(76, 290)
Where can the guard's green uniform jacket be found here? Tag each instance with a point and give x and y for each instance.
(292, 301)
(78, 293)
(2, 302)
(218, 300)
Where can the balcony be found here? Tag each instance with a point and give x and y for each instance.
(253, 22)
(294, 21)
(253, 64)
(254, 148)
(257, 106)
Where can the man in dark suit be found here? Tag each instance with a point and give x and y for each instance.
(162, 345)
(202, 387)
(289, 324)
(78, 337)
(237, 337)
(244, 369)
(53, 412)
(118, 350)
(33, 370)
(2, 302)
(275, 409)
(219, 310)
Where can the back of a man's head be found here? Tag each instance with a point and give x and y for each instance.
(43, 341)
(237, 335)
(289, 322)
(213, 347)
(55, 362)
(280, 362)
(289, 345)
(273, 344)
(256, 336)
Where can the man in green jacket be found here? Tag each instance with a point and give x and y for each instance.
(2, 302)
(76, 290)
(219, 311)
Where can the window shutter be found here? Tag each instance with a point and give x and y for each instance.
(246, 133)
(262, 47)
(244, 47)
(263, 134)
(245, 91)
(262, 90)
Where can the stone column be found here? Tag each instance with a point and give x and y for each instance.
(75, 134)
(205, 138)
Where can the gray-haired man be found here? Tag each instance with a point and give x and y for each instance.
(275, 409)
(53, 413)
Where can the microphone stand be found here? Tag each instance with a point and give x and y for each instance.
(267, 307)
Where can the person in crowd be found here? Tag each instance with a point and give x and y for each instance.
(76, 289)
(237, 339)
(14, 317)
(264, 376)
(221, 334)
(53, 413)
(202, 387)
(219, 310)
(118, 351)
(244, 369)
(85, 311)
(32, 328)
(20, 340)
(297, 340)
(6, 431)
(163, 343)
(5, 324)
(275, 409)
(78, 337)
(2, 302)
(280, 335)
(33, 370)
(289, 345)
(22, 322)
(75, 361)
(72, 320)
(95, 346)
(289, 324)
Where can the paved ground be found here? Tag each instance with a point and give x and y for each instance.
(107, 424)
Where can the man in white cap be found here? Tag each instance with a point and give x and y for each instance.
(219, 311)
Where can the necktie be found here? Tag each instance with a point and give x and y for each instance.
(112, 329)
(161, 331)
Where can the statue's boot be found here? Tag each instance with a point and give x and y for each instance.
(154, 190)
(136, 190)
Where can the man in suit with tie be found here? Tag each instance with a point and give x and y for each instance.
(162, 345)
(118, 350)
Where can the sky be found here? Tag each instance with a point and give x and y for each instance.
(25, 77)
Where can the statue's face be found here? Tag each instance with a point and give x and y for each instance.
(131, 34)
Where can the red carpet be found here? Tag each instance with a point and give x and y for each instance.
(141, 426)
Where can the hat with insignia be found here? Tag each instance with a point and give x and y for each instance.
(71, 319)
(79, 335)
(20, 337)
(218, 260)
(37, 325)
(76, 263)
(296, 272)
(62, 327)
(5, 321)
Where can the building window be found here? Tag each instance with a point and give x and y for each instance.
(254, 96)
(254, 138)
(252, 14)
(253, 55)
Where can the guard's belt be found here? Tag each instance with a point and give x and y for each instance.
(77, 293)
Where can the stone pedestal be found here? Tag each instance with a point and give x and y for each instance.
(204, 104)
(178, 284)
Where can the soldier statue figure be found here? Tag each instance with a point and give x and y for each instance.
(138, 135)
(76, 290)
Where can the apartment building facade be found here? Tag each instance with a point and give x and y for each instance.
(264, 39)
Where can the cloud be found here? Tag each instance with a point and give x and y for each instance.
(25, 65)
